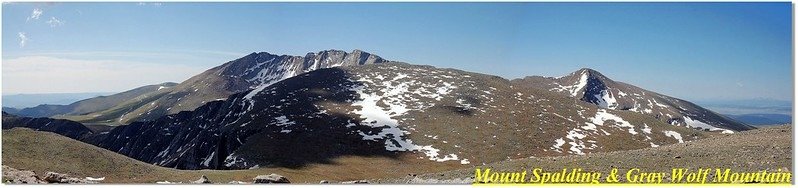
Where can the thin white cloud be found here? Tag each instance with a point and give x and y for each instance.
(35, 14)
(153, 4)
(22, 39)
(54, 22)
(43, 74)
(123, 54)
(204, 58)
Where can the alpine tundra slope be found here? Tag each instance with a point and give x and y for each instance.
(294, 116)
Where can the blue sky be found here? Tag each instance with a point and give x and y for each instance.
(687, 50)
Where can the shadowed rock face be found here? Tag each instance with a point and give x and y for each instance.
(67, 128)
(209, 136)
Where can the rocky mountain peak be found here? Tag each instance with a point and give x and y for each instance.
(256, 55)
(355, 52)
(358, 51)
(593, 87)
(325, 52)
(589, 73)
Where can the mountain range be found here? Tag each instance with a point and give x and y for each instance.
(20, 101)
(265, 110)
(150, 102)
(100, 107)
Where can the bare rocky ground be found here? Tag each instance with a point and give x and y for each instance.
(15, 176)
(748, 151)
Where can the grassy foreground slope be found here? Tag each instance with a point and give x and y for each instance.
(748, 151)
(41, 152)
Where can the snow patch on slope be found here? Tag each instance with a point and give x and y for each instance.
(268, 76)
(606, 100)
(396, 94)
(698, 124)
(646, 129)
(577, 145)
(578, 135)
(558, 145)
(574, 89)
(674, 135)
(603, 116)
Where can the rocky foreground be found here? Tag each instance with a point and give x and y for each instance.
(15, 176)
